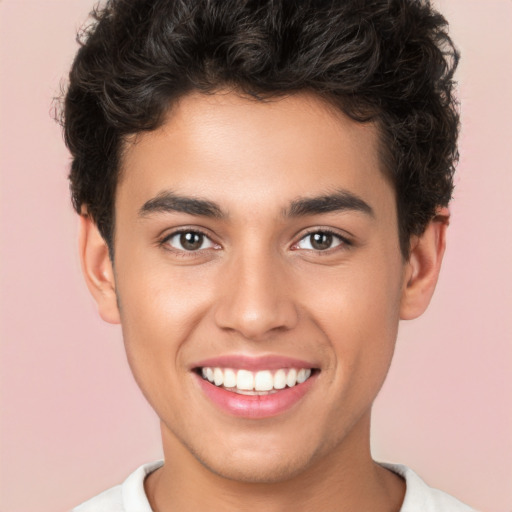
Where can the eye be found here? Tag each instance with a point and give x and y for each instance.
(189, 241)
(320, 241)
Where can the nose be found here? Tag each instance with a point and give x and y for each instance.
(257, 297)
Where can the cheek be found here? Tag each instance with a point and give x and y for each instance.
(156, 296)
(355, 298)
(160, 308)
(357, 307)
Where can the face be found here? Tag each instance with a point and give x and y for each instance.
(259, 280)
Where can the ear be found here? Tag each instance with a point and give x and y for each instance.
(97, 269)
(423, 267)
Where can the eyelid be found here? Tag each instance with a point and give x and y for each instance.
(163, 241)
(344, 239)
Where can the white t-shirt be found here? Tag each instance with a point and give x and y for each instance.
(130, 495)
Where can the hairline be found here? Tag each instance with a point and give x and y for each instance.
(333, 104)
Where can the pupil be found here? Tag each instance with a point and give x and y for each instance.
(321, 241)
(191, 241)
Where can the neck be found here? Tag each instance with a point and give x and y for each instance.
(345, 479)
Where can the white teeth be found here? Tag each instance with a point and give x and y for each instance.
(229, 378)
(218, 376)
(303, 375)
(245, 380)
(291, 378)
(263, 381)
(259, 382)
(280, 379)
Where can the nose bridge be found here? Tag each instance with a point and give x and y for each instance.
(256, 299)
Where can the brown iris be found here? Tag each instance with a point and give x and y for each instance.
(191, 241)
(321, 241)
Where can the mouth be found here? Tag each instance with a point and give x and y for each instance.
(250, 383)
(255, 388)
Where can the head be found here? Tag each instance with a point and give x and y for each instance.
(259, 184)
(386, 62)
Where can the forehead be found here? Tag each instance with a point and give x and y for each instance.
(241, 151)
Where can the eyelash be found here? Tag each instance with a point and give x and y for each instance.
(344, 243)
(164, 242)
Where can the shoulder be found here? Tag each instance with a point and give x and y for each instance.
(126, 497)
(110, 500)
(419, 496)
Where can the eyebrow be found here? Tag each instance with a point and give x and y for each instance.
(341, 200)
(168, 202)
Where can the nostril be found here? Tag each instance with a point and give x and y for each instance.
(256, 318)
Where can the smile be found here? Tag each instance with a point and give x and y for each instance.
(262, 382)
(255, 387)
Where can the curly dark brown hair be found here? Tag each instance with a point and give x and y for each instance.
(386, 61)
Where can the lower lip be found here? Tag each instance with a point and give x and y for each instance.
(255, 406)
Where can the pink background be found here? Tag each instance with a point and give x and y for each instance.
(73, 422)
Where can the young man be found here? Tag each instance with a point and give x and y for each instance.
(263, 191)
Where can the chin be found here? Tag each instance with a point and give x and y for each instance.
(259, 467)
(253, 472)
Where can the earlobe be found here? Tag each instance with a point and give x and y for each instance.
(422, 269)
(97, 269)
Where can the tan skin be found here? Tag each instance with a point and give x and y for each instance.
(337, 304)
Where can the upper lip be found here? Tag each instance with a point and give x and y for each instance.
(253, 363)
